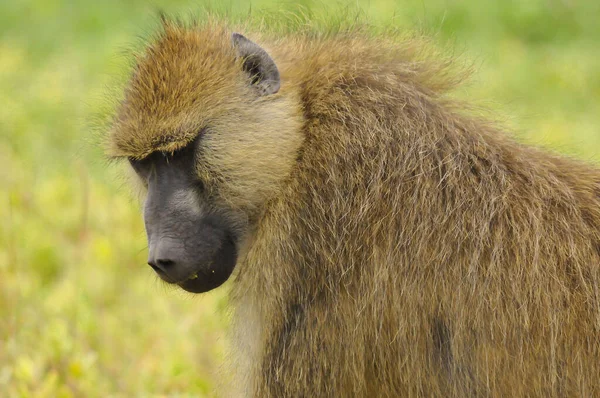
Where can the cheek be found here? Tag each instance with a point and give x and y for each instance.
(245, 173)
(248, 156)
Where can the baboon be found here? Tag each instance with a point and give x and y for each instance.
(381, 239)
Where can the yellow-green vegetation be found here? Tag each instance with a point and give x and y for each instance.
(81, 315)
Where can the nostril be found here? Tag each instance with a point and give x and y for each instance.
(154, 267)
(161, 266)
(164, 264)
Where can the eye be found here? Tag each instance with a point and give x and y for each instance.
(136, 164)
(141, 168)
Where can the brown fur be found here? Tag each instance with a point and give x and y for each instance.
(399, 247)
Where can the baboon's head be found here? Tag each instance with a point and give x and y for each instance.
(212, 138)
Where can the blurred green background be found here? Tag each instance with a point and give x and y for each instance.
(81, 315)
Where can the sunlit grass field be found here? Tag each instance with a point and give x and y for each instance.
(81, 314)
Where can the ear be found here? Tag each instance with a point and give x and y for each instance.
(258, 64)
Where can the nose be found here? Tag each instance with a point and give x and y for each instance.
(163, 258)
(161, 266)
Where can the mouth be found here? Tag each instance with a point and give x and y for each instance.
(216, 273)
(199, 282)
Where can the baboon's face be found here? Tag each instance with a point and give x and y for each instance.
(203, 199)
(190, 243)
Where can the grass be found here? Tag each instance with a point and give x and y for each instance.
(80, 312)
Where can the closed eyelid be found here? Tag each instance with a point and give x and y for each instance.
(143, 168)
(146, 167)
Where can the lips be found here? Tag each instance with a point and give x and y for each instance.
(216, 274)
(201, 282)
